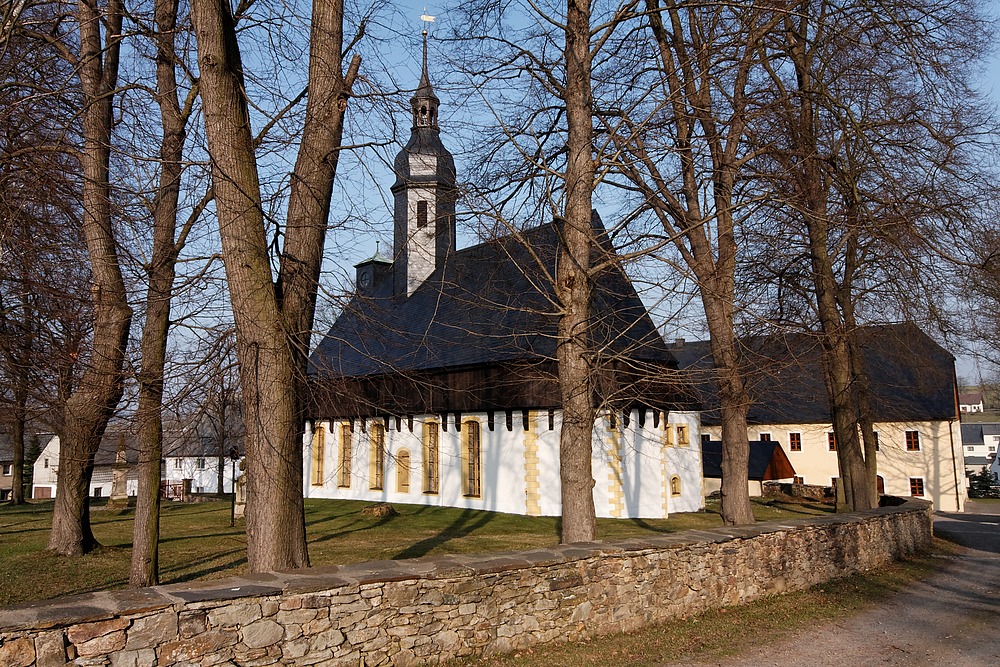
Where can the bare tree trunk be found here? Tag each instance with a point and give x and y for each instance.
(161, 271)
(90, 407)
(573, 288)
(837, 358)
(273, 323)
(309, 210)
(17, 441)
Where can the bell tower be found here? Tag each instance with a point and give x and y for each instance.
(424, 194)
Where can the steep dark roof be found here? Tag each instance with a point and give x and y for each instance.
(768, 461)
(912, 377)
(489, 312)
(492, 302)
(972, 434)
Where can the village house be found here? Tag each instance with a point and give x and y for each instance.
(914, 406)
(117, 453)
(971, 402)
(437, 383)
(190, 465)
(980, 442)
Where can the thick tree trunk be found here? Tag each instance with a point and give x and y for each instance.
(17, 442)
(573, 287)
(734, 403)
(837, 358)
(161, 272)
(90, 407)
(309, 204)
(274, 516)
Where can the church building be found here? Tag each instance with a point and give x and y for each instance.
(437, 384)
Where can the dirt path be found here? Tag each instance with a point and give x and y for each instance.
(951, 619)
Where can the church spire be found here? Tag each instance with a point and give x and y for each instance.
(424, 102)
(424, 193)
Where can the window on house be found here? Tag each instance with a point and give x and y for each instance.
(8, 469)
(764, 437)
(675, 486)
(682, 435)
(912, 441)
(177, 464)
(878, 445)
(344, 472)
(201, 464)
(831, 441)
(970, 449)
(431, 462)
(98, 492)
(421, 214)
(993, 448)
(318, 455)
(916, 486)
(797, 480)
(795, 442)
(403, 471)
(376, 456)
(46, 463)
(471, 459)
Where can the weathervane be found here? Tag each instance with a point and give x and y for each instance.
(427, 19)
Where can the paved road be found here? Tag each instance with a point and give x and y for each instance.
(950, 619)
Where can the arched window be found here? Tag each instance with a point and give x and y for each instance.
(318, 455)
(403, 471)
(431, 467)
(344, 472)
(376, 456)
(675, 486)
(471, 459)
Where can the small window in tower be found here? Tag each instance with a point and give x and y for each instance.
(421, 214)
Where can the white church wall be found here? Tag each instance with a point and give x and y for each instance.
(519, 468)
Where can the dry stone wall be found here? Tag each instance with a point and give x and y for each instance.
(429, 610)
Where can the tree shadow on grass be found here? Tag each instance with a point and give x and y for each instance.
(462, 526)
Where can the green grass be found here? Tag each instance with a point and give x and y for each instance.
(197, 543)
(711, 635)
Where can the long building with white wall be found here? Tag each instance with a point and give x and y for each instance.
(438, 383)
(914, 408)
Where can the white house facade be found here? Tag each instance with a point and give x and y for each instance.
(45, 480)
(922, 459)
(914, 407)
(506, 464)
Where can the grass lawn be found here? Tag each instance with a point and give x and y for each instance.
(197, 543)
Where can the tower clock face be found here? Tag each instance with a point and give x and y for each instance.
(366, 278)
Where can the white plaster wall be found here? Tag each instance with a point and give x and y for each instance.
(939, 459)
(46, 475)
(179, 468)
(504, 488)
(421, 244)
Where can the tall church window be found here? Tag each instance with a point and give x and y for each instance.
(472, 459)
(318, 455)
(376, 456)
(344, 476)
(421, 214)
(432, 463)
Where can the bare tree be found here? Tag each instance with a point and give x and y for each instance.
(167, 245)
(273, 318)
(93, 402)
(683, 143)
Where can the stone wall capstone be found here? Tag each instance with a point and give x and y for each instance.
(429, 610)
